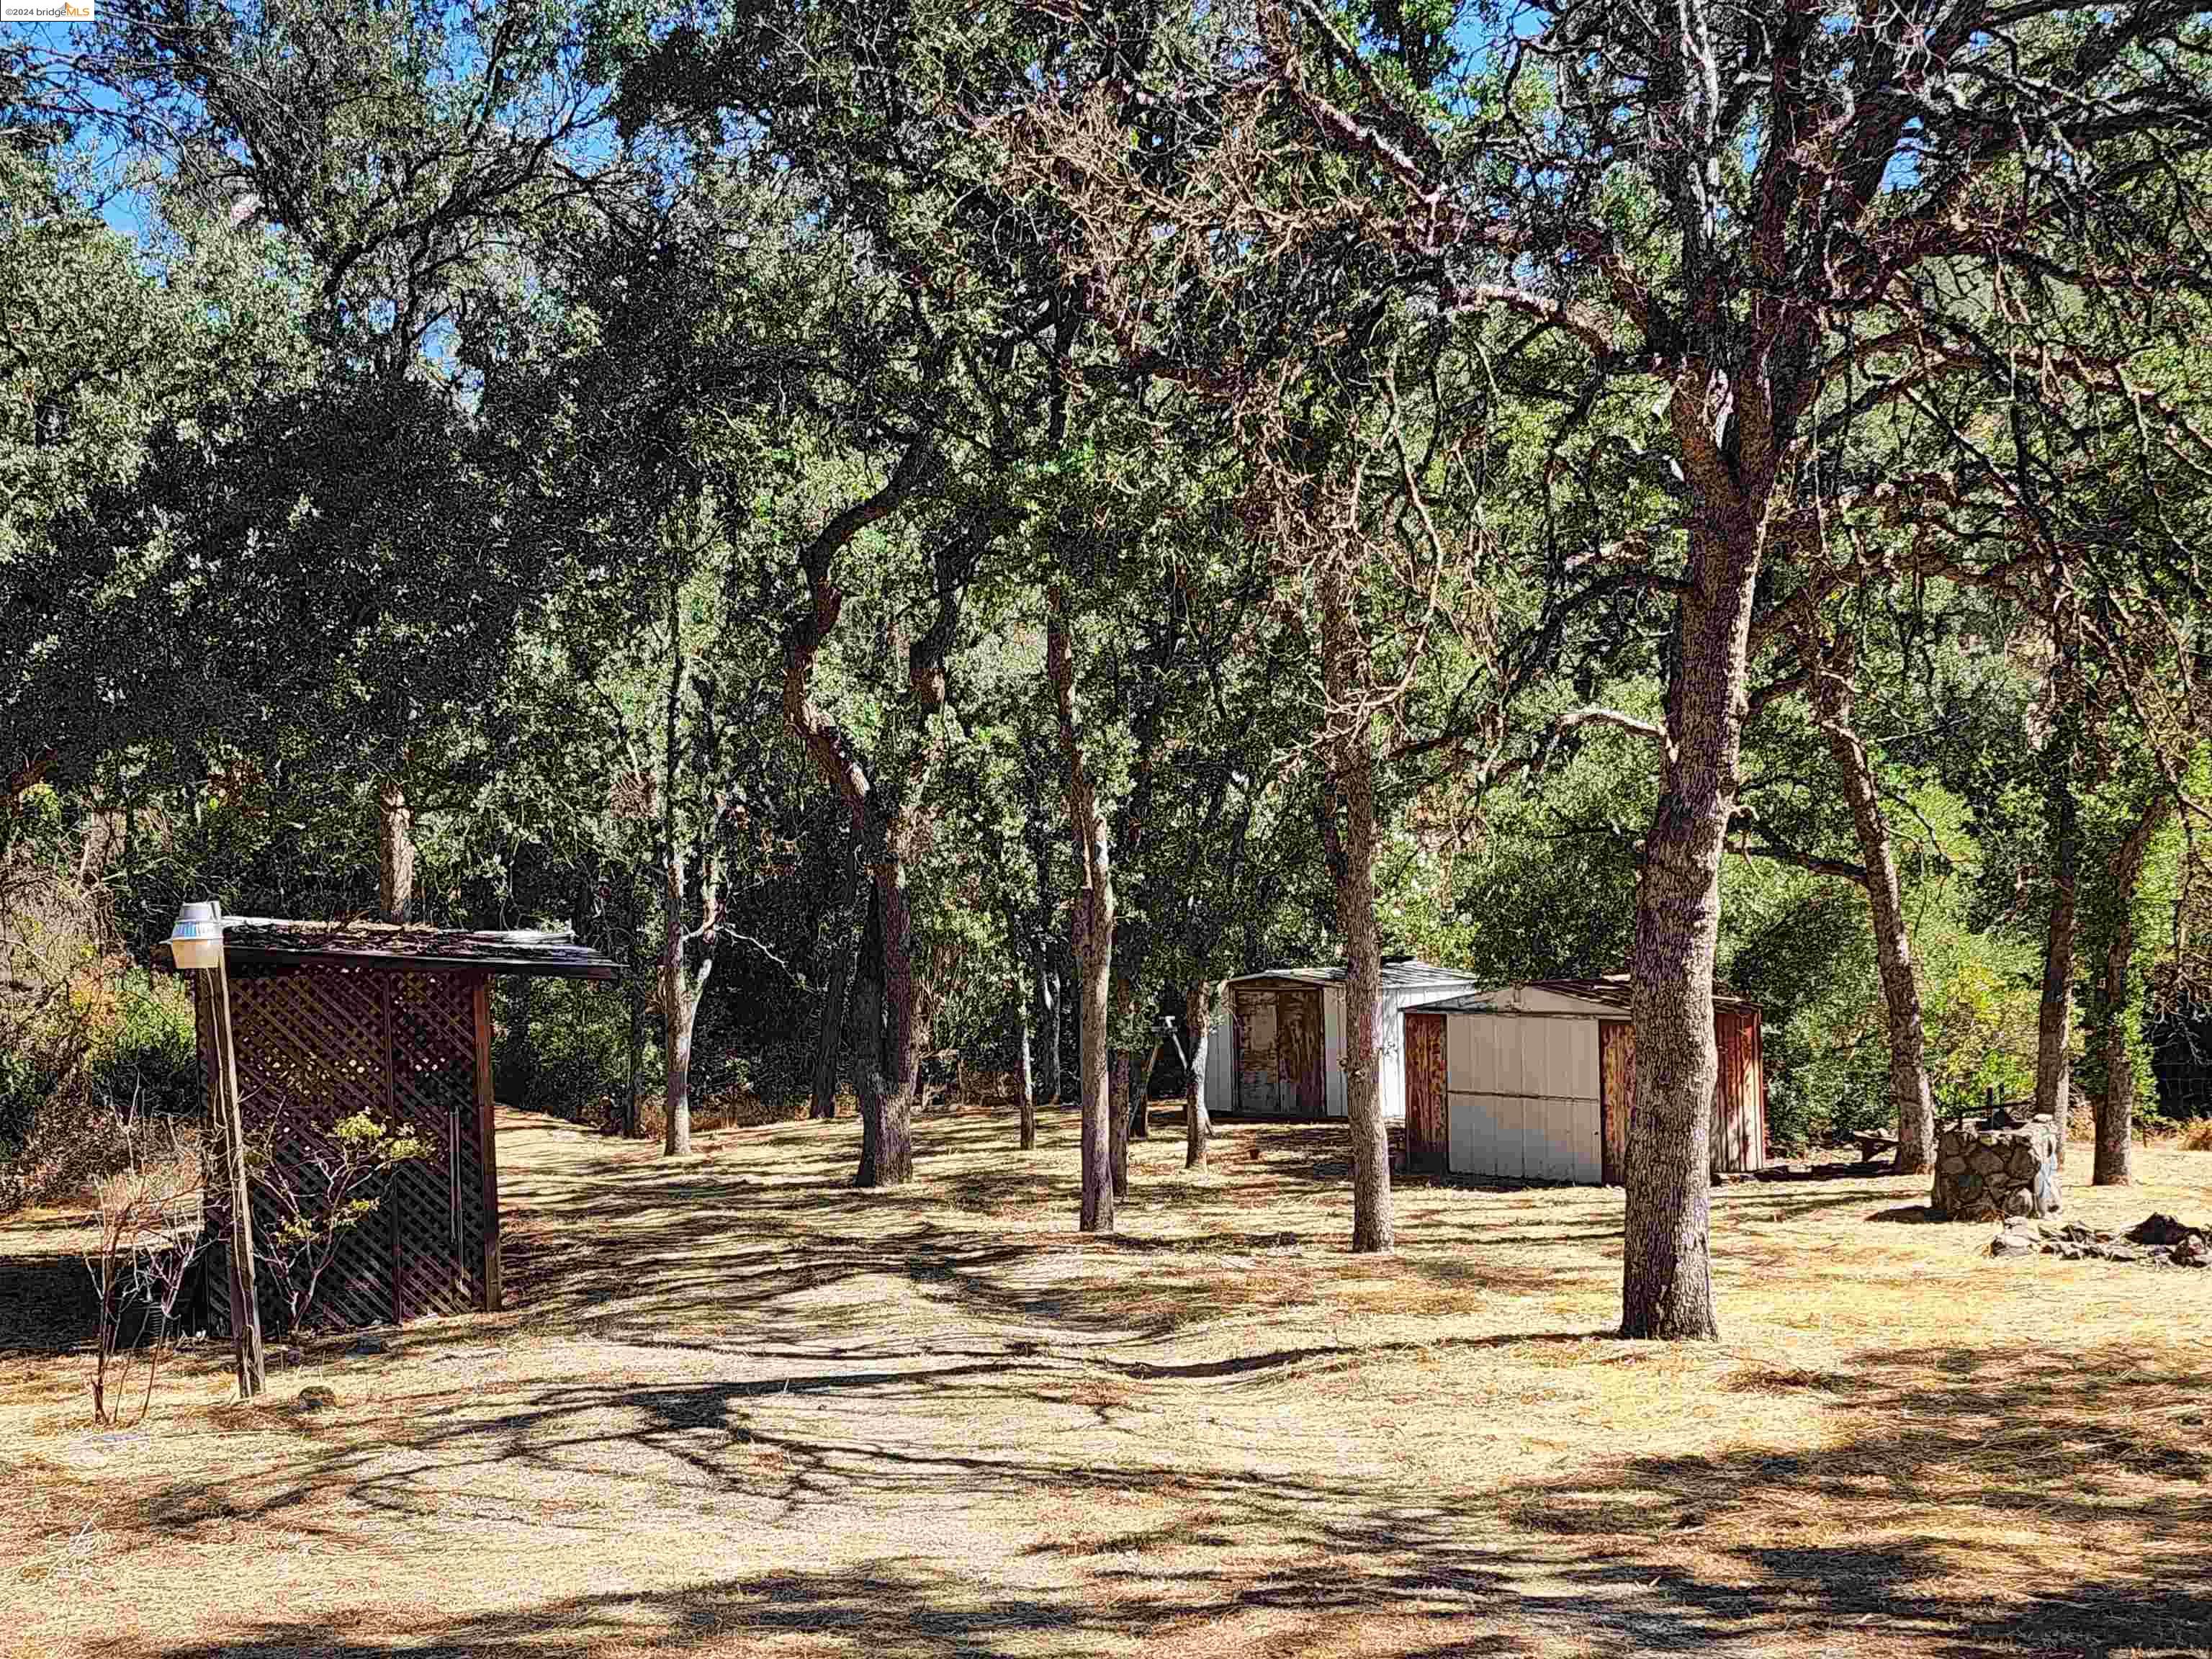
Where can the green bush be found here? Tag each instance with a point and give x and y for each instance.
(149, 1059)
(562, 1046)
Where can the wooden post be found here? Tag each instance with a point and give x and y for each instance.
(487, 1141)
(245, 1302)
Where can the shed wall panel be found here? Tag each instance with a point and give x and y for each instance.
(1332, 1020)
(1424, 1070)
(1616, 1089)
(1590, 1152)
(1389, 1062)
(1220, 1060)
(1524, 1096)
(1256, 1038)
(1463, 1149)
(1739, 1132)
(1460, 1052)
(318, 1043)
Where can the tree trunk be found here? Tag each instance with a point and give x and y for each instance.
(887, 1062)
(890, 1060)
(1667, 1288)
(1025, 1063)
(675, 1134)
(395, 853)
(1094, 961)
(1909, 1092)
(1350, 845)
(1091, 922)
(829, 1039)
(634, 995)
(1140, 1115)
(2054, 1019)
(1198, 1127)
(1119, 1141)
(1049, 991)
(868, 1038)
(677, 1007)
(2116, 1102)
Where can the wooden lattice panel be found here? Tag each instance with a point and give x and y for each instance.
(320, 1042)
(436, 1200)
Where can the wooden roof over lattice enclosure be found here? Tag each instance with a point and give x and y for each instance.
(268, 940)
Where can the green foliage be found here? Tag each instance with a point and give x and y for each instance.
(436, 431)
(563, 1047)
(149, 1055)
(91, 1043)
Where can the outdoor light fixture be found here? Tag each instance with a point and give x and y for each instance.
(197, 939)
(196, 942)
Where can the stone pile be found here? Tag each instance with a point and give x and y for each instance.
(2160, 1241)
(1996, 1167)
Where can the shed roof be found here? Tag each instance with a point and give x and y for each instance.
(541, 952)
(1397, 971)
(1610, 991)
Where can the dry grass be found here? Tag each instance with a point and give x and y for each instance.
(740, 1409)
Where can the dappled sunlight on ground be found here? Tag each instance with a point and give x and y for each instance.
(737, 1407)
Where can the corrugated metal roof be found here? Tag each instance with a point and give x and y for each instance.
(1611, 991)
(1396, 971)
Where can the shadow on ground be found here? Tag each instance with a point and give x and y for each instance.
(1218, 1432)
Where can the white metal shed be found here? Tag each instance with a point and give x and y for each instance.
(1538, 1080)
(1276, 1049)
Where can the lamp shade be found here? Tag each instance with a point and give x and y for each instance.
(197, 939)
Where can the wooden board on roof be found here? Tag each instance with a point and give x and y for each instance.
(277, 942)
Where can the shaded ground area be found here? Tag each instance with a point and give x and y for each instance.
(739, 1408)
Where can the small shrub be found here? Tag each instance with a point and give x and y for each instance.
(150, 1233)
(329, 1183)
(2197, 1136)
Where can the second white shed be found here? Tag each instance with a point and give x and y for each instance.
(1276, 1049)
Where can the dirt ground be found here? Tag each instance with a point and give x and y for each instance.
(737, 1408)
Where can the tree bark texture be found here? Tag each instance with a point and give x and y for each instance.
(886, 1055)
(1831, 679)
(2054, 1019)
(680, 992)
(682, 986)
(395, 853)
(1348, 837)
(1140, 1094)
(1118, 1141)
(2116, 1102)
(1667, 1288)
(1091, 924)
(1024, 1058)
(1048, 996)
(634, 995)
(1094, 961)
(1199, 1004)
(828, 1039)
